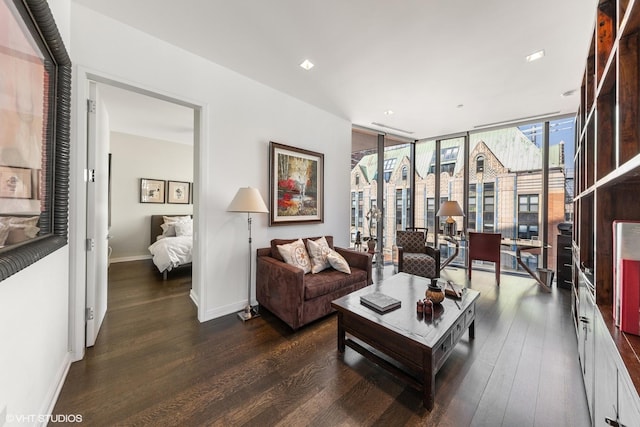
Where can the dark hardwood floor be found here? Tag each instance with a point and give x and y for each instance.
(155, 364)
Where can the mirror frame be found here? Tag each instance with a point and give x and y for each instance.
(55, 206)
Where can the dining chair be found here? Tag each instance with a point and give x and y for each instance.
(484, 247)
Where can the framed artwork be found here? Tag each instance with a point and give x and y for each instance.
(178, 192)
(151, 190)
(296, 185)
(36, 84)
(15, 183)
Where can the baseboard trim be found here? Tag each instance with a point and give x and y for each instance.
(56, 387)
(130, 258)
(223, 311)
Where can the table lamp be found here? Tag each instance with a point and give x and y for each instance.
(450, 209)
(248, 200)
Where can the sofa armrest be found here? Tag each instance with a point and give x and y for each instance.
(361, 260)
(280, 288)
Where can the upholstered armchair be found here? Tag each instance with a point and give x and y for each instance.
(411, 255)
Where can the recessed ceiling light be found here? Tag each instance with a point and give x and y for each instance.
(568, 93)
(388, 112)
(535, 55)
(306, 64)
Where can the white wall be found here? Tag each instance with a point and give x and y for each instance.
(33, 333)
(34, 319)
(134, 157)
(242, 116)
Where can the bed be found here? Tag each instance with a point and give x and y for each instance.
(171, 242)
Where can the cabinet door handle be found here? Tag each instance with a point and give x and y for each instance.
(611, 422)
(584, 319)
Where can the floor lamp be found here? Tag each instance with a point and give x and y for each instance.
(250, 201)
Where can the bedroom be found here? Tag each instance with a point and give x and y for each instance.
(150, 140)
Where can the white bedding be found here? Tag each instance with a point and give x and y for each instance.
(170, 252)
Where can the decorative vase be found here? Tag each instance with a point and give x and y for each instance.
(435, 293)
(371, 244)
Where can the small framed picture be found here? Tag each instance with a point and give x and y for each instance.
(151, 190)
(178, 192)
(15, 183)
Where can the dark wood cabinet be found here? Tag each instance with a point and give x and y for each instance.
(607, 178)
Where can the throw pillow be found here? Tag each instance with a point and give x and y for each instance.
(338, 262)
(4, 233)
(318, 251)
(295, 254)
(21, 232)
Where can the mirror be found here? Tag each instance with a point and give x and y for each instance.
(35, 106)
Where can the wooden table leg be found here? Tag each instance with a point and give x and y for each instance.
(341, 345)
(472, 330)
(429, 380)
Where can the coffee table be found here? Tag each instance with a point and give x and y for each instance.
(420, 344)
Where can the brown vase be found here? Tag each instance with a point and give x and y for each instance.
(435, 293)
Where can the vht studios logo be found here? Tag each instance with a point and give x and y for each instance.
(44, 418)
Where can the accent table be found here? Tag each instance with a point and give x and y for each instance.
(527, 245)
(419, 343)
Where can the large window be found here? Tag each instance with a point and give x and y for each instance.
(472, 209)
(488, 207)
(503, 176)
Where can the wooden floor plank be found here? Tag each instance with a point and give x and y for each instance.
(155, 364)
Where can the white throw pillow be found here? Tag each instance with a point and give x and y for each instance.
(318, 251)
(21, 232)
(4, 233)
(295, 254)
(169, 228)
(184, 228)
(338, 262)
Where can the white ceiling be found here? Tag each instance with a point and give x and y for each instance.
(419, 58)
(138, 114)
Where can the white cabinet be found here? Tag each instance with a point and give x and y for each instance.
(586, 349)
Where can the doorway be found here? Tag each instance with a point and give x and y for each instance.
(78, 293)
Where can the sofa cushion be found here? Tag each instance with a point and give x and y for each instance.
(295, 254)
(318, 252)
(330, 280)
(276, 242)
(338, 262)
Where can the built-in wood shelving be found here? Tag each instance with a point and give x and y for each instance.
(607, 158)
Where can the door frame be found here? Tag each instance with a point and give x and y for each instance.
(78, 200)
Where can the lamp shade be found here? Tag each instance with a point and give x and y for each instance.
(248, 199)
(450, 208)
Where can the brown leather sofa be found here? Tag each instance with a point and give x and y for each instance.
(299, 298)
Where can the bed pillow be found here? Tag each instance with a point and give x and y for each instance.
(318, 251)
(172, 219)
(295, 254)
(169, 228)
(183, 228)
(338, 262)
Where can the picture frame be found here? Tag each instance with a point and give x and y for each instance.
(178, 192)
(33, 59)
(152, 190)
(296, 185)
(15, 183)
